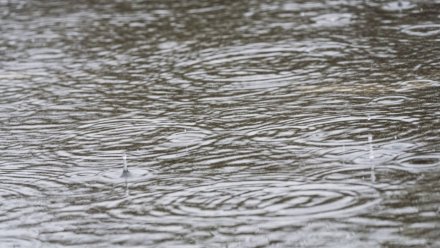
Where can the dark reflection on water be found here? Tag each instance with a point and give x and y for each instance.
(246, 123)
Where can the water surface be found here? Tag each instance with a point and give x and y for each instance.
(245, 123)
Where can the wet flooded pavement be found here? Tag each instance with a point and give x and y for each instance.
(245, 123)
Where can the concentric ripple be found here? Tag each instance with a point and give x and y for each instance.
(338, 131)
(270, 198)
(25, 181)
(422, 30)
(334, 131)
(115, 136)
(384, 177)
(106, 176)
(257, 66)
(398, 6)
(390, 100)
(419, 161)
(333, 20)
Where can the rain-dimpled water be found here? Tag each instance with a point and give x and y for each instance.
(258, 123)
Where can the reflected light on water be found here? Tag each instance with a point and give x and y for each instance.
(240, 123)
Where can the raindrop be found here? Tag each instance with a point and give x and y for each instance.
(370, 142)
(125, 172)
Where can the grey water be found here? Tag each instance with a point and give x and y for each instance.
(245, 123)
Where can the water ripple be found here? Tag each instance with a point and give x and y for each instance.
(419, 161)
(398, 6)
(115, 136)
(246, 123)
(259, 66)
(338, 131)
(268, 198)
(422, 30)
(333, 20)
